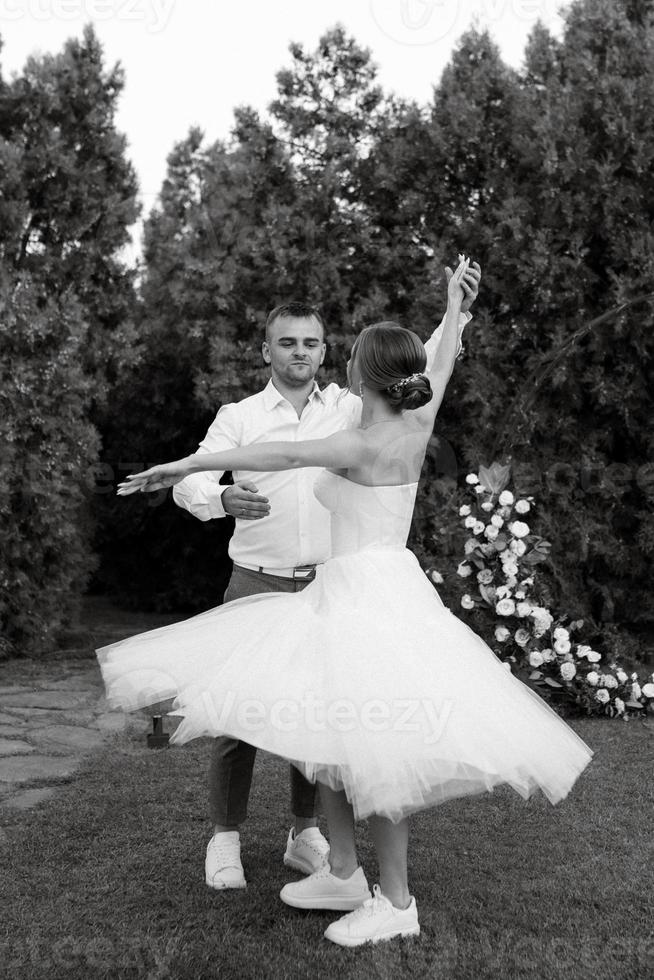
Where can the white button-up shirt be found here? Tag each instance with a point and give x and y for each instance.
(297, 529)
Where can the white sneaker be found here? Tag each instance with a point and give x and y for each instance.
(323, 890)
(306, 852)
(222, 867)
(373, 922)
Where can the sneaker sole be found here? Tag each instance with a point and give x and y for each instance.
(350, 942)
(223, 888)
(325, 902)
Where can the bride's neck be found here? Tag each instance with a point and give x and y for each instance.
(375, 409)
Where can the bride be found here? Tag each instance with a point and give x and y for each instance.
(364, 680)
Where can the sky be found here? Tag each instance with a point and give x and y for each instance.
(190, 62)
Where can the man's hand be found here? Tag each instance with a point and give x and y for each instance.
(472, 279)
(244, 501)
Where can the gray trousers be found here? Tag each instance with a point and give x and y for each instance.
(232, 761)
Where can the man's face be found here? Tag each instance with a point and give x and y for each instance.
(295, 349)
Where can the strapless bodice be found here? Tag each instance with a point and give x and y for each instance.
(365, 517)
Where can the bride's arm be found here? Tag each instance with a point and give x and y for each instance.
(460, 287)
(339, 451)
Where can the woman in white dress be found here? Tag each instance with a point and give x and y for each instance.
(364, 680)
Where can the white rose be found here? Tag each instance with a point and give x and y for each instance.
(542, 616)
(621, 675)
(467, 602)
(491, 532)
(634, 676)
(487, 505)
(472, 478)
(568, 671)
(521, 637)
(487, 549)
(436, 577)
(583, 650)
(635, 691)
(518, 547)
(520, 594)
(506, 498)
(470, 521)
(602, 695)
(479, 488)
(562, 647)
(548, 655)
(503, 591)
(478, 527)
(522, 506)
(485, 576)
(505, 607)
(593, 657)
(561, 634)
(464, 570)
(464, 510)
(648, 690)
(530, 581)
(619, 706)
(519, 529)
(523, 608)
(469, 546)
(592, 677)
(610, 681)
(536, 658)
(502, 634)
(510, 569)
(496, 520)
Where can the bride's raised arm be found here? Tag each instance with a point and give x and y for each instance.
(339, 451)
(462, 285)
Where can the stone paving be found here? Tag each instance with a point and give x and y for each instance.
(46, 728)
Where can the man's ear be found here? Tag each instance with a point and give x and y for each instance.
(265, 351)
(324, 351)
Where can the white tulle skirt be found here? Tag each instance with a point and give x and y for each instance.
(364, 680)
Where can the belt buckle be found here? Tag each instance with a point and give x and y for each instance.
(304, 570)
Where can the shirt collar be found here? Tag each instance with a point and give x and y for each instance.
(272, 397)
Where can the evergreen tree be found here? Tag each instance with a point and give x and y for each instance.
(67, 196)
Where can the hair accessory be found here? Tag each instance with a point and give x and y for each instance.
(401, 385)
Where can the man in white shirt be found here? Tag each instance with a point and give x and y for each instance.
(281, 534)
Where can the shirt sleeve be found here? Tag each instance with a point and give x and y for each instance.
(201, 493)
(433, 343)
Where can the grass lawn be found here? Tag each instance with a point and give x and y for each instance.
(107, 880)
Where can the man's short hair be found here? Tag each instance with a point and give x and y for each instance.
(294, 310)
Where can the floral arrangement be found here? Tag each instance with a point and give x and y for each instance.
(498, 571)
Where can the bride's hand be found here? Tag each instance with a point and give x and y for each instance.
(463, 283)
(156, 478)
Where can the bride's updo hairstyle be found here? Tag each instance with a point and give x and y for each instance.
(391, 359)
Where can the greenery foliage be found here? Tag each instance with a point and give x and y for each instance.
(353, 199)
(67, 197)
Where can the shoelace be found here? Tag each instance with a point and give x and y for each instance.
(227, 853)
(324, 871)
(370, 906)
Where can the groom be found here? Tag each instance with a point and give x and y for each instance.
(281, 534)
